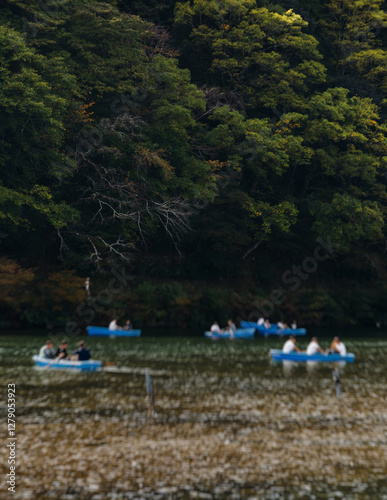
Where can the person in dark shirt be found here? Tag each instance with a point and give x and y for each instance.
(81, 354)
(128, 325)
(61, 352)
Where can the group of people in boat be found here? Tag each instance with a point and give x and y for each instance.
(336, 347)
(49, 352)
(229, 329)
(114, 326)
(280, 324)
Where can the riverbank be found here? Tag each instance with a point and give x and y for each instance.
(58, 298)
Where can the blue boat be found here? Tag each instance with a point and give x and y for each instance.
(102, 331)
(273, 330)
(91, 365)
(302, 357)
(241, 333)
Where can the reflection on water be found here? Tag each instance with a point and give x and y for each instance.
(229, 424)
(312, 367)
(340, 365)
(289, 367)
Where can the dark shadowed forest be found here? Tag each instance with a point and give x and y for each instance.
(229, 156)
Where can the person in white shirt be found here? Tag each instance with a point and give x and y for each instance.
(294, 324)
(47, 351)
(266, 323)
(113, 325)
(261, 321)
(87, 287)
(215, 328)
(337, 347)
(290, 345)
(313, 347)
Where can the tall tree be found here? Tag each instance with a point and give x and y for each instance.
(343, 185)
(262, 54)
(307, 175)
(32, 130)
(130, 136)
(354, 30)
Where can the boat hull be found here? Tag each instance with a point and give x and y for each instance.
(241, 333)
(273, 330)
(81, 366)
(302, 357)
(102, 331)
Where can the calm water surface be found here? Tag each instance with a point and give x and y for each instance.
(229, 423)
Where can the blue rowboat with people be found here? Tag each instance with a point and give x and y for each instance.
(279, 355)
(102, 331)
(273, 329)
(90, 365)
(239, 333)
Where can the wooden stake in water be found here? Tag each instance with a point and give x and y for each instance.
(336, 379)
(151, 399)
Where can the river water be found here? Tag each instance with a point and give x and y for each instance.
(229, 423)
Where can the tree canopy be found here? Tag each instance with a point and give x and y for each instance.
(218, 137)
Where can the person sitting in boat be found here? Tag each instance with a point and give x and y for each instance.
(282, 326)
(81, 354)
(215, 328)
(261, 321)
(230, 328)
(290, 345)
(128, 325)
(313, 347)
(294, 325)
(267, 323)
(47, 351)
(337, 347)
(113, 325)
(61, 352)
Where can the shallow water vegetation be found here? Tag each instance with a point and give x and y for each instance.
(228, 424)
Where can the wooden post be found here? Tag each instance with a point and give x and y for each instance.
(336, 379)
(151, 399)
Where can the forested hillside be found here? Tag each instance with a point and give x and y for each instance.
(230, 155)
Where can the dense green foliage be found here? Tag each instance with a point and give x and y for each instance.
(207, 145)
